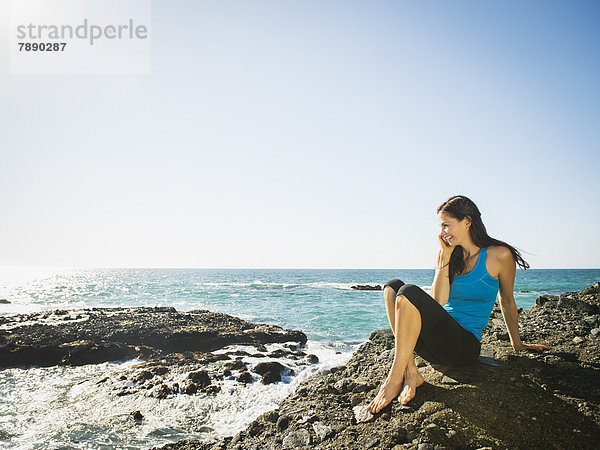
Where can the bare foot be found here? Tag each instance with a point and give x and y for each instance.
(389, 390)
(412, 380)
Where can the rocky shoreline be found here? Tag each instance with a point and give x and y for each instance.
(181, 353)
(508, 399)
(90, 336)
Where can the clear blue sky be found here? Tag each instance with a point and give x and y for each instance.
(318, 134)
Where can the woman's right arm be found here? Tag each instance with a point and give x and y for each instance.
(440, 289)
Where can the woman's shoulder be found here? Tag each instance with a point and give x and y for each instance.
(498, 259)
(500, 252)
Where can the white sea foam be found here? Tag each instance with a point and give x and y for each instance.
(58, 405)
(73, 407)
(325, 284)
(258, 284)
(236, 406)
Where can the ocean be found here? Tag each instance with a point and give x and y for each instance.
(64, 407)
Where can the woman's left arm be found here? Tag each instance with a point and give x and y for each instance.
(506, 277)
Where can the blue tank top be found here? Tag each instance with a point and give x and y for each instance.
(472, 297)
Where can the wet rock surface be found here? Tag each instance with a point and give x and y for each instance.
(97, 335)
(508, 399)
(181, 353)
(366, 287)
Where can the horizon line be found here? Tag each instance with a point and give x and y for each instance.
(3, 267)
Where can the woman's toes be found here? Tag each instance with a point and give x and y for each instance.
(377, 406)
(409, 388)
(407, 395)
(374, 402)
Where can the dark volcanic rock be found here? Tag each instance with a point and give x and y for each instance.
(144, 375)
(245, 377)
(212, 389)
(270, 371)
(190, 389)
(277, 354)
(3, 301)
(162, 391)
(235, 365)
(282, 423)
(200, 378)
(312, 359)
(106, 334)
(367, 287)
(271, 366)
(271, 377)
(508, 399)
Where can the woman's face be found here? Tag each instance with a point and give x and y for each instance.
(454, 231)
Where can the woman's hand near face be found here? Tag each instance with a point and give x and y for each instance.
(440, 289)
(445, 249)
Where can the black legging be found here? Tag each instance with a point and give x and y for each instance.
(442, 339)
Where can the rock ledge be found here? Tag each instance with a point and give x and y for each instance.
(507, 400)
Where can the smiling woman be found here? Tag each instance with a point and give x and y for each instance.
(445, 328)
(460, 217)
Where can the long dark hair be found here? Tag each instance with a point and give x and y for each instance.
(460, 207)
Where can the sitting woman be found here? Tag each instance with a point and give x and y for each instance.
(445, 328)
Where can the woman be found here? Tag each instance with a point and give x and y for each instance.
(445, 328)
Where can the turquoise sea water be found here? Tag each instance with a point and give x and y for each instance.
(68, 407)
(319, 302)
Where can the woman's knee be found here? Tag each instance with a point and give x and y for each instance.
(409, 291)
(402, 302)
(389, 293)
(395, 284)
